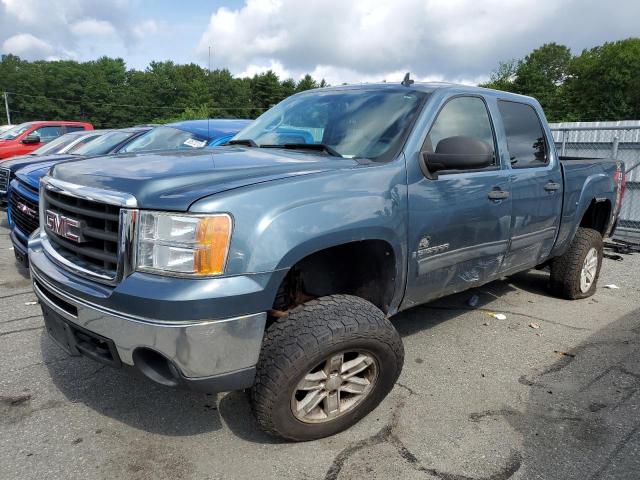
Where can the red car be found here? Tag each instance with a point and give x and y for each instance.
(26, 137)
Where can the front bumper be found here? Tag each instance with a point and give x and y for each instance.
(206, 355)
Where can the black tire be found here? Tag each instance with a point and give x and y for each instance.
(566, 269)
(312, 332)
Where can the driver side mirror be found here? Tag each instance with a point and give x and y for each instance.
(459, 153)
(31, 139)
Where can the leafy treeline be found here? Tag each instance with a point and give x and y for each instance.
(108, 94)
(602, 83)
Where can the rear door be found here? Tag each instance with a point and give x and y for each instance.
(536, 186)
(458, 222)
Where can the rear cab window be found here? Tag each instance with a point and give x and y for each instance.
(526, 140)
(74, 128)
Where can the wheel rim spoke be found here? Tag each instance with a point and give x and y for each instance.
(334, 364)
(332, 404)
(313, 381)
(311, 401)
(355, 385)
(355, 366)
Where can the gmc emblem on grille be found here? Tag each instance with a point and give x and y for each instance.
(66, 227)
(26, 209)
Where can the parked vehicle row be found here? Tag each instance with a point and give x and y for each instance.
(274, 262)
(20, 176)
(26, 137)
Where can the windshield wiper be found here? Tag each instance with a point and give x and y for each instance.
(247, 142)
(321, 147)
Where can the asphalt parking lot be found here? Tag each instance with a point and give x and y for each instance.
(479, 398)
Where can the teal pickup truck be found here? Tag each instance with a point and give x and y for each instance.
(277, 261)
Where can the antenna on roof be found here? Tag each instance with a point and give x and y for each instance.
(407, 82)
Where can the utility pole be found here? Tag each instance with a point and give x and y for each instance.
(6, 107)
(209, 59)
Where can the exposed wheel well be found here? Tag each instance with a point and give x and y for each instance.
(365, 269)
(597, 216)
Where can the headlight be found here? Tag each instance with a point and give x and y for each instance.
(183, 244)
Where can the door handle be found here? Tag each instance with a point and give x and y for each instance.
(498, 194)
(552, 186)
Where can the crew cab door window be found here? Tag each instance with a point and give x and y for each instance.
(462, 116)
(47, 134)
(525, 137)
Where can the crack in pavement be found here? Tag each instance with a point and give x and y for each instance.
(21, 318)
(26, 292)
(21, 330)
(387, 435)
(618, 448)
(566, 360)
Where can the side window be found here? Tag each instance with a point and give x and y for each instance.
(74, 128)
(462, 116)
(85, 139)
(47, 134)
(525, 137)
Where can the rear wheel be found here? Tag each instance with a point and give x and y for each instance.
(324, 367)
(575, 273)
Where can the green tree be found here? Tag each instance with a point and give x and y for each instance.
(542, 74)
(604, 82)
(502, 77)
(306, 83)
(109, 95)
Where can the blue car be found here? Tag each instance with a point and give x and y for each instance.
(22, 210)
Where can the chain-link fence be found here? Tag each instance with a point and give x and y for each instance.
(619, 140)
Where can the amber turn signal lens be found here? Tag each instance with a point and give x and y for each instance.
(212, 244)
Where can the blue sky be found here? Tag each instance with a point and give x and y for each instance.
(180, 27)
(339, 40)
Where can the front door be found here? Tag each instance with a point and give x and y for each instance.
(458, 222)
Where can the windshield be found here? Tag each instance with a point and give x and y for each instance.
(56, 145)
(362, 123)
(103, 144)
(15, 131)
(165, 138)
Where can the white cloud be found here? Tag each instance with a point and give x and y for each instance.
(27, 46)
(274, 66)
(143, 29)
(91, 26)
(360, 40)
(71, 28)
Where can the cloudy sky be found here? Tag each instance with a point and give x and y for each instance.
(339, 40)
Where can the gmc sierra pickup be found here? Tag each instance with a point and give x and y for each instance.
(275, 262)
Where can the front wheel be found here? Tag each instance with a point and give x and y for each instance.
(575, 273)
(324, 367)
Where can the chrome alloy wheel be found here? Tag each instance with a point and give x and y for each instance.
(589, 270)
(334, 387)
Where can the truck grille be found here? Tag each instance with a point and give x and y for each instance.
(4, 179)
(98, 227)
(24, 212)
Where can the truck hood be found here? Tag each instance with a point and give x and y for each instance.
(33, 172)
(173, 180)
(23, 161)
